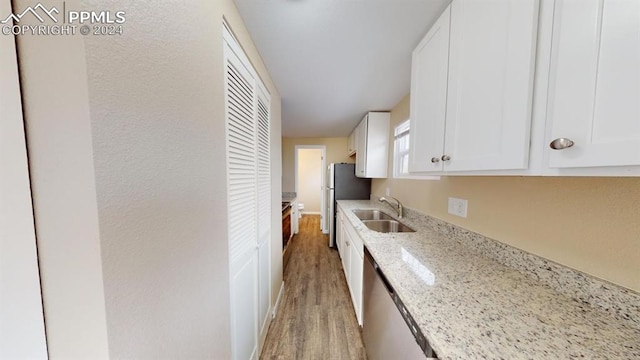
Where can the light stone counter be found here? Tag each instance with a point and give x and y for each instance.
(289, 196)
(475, 298)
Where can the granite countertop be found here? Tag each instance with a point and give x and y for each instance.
(289, 196)
(287, 199)
(470, 306)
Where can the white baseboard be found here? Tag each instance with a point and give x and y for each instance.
(311, 213)
(275, 307)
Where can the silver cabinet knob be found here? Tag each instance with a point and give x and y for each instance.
(446, 157)
(561, 144)
(435, 160)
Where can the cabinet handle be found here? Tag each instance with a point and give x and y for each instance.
(561, 144)
(435, 160)
(446, 157)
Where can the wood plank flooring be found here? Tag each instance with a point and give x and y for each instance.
(315, 319)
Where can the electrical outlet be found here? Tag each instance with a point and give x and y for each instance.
(458, 207)
(388, 192)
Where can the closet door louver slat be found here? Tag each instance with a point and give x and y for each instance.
(241, 141)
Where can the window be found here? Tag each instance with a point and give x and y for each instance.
(401, 150)
(401, 154)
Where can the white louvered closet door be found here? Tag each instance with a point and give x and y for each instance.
(242, 168)
(264, 207)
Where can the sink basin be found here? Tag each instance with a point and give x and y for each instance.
(371, 215)
(387, 226)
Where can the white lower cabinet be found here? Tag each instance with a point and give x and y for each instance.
(351, 249)
(295, 217)
(356, 264)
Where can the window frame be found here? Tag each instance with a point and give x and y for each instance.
(402, 130)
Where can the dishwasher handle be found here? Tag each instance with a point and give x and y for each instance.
(379, 272)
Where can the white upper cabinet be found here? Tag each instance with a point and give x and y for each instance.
(430, 63)
(490, 88)
(351, 146)
(479, 118)
(594, 92)
(361, 147)
(372, 155)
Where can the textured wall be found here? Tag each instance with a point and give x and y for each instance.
(336, 152)
(126, 141)
(58, 126)
(589, 224)
(159, 135)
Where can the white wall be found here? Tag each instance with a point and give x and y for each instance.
(56, 109)
(21, 321)
(309, 179)
(160, 183)
(146, 111)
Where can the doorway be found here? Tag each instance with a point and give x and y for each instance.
(310, 177)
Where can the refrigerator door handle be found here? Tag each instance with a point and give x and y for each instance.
(331, 218)
(331, 177)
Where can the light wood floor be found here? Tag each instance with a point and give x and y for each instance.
(315, 319)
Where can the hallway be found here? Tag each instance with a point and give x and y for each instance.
(315, 319)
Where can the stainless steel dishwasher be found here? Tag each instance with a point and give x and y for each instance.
(389, 331)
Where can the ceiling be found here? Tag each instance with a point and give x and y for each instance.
(334, 60)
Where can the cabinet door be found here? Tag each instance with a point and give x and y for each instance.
(295, 218)
(351, 148)
(377, 145)
(355, 283)
(339, 227)
(490, 87)
(346, 255)
(430, 62)
(594, 97)
(361, 152)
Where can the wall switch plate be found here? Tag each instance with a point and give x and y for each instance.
(388, 192)
(458, 207)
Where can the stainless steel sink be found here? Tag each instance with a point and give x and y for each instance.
(387, 226)
(371, 215)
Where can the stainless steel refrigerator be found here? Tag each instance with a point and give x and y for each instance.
(342, 184)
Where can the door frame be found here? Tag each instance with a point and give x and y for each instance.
(323, 180)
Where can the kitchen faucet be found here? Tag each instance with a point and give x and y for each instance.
(397, 207)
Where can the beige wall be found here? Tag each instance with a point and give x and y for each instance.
(589, 224)
(336, 152)
(126, 148)
(310, 179)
